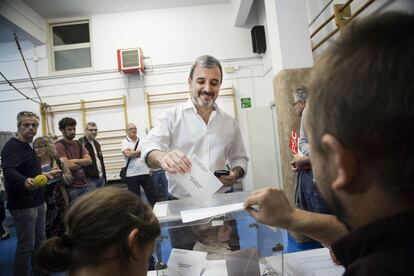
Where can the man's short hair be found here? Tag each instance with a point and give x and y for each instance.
(92, 124)
(206, 61)
(23, 114)
(300, 94)
(362, 92)
(65, 122)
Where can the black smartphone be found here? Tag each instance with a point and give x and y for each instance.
(219, 173)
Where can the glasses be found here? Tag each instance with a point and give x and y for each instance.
(93, 129)
(38, 147)
(27, 113)
(132, 128)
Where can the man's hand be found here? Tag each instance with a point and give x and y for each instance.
(228, 180)
(299, 161)
(28, 184)
(270, 206)
(176, 162)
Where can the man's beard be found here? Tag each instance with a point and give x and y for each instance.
(337, 209)
(204, 103)
(70, 136)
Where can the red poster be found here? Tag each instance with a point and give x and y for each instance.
(294, 142)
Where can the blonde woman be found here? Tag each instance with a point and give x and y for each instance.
(57, 199)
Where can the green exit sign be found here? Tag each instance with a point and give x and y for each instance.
(246, 102)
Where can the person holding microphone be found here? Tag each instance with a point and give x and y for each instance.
(26, 199)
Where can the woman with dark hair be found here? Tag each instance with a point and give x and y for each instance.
(57, 198)
(110, 231)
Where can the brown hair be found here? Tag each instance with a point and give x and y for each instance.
(96, 222)
(362, 92)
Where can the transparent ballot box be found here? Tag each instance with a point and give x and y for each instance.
(232, 240)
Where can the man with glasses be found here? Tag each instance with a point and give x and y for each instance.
(25, 200)
(96, 171)
(307, 196)
(137, 173)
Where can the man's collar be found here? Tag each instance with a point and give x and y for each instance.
(189, 104)
(87, 139)
(130, 139)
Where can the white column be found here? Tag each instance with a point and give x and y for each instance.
(288, 34)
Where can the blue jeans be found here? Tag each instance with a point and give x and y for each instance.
(307, 196)
(75, 192)
(94, 183)
(31, 232)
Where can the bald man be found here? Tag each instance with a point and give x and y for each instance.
(137, 173)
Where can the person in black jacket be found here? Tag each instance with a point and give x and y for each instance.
(359, 118)
(25, 199)
(96, 171)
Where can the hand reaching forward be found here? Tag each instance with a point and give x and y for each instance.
(270, 206)
(176, 162)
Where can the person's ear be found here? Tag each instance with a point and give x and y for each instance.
(133, 237)
(189, 82)
(343, 161)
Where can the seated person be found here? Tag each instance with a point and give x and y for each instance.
(109, 231)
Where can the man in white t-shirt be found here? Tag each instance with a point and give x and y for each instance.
(197, 127)
(137, 173)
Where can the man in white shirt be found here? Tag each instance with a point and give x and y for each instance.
(197, 127)
(137, 173)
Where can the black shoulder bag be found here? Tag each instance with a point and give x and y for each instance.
(122, 173)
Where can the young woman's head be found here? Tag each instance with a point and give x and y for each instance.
(109, 227)
(44, 147)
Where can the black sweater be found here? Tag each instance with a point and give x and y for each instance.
(19, 162)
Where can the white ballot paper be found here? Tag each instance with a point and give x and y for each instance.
(200, 183)
(186, 262)
(202, 213)
(160, 209)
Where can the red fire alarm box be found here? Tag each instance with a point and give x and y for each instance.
(130, 60)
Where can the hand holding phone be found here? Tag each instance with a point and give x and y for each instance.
(219, 173)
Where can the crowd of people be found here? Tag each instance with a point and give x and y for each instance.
(357, 126)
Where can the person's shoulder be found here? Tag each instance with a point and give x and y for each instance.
(10, 144)
(224, 114)
(125, 141)
(12, 141)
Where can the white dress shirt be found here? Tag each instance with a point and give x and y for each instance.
(216, 143)
(137, 165)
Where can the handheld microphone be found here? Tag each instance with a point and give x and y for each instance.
(40, 180)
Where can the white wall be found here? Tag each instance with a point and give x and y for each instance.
(171, 38)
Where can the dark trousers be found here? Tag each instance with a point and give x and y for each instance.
(134, 184)
(161, 184)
